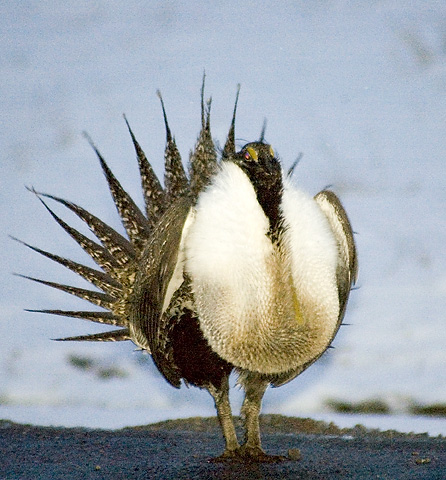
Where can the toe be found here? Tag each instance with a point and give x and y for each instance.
(256, 454)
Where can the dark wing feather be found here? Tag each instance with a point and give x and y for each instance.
(148, 324)
(347, 271)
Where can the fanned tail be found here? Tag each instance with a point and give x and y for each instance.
(119, 257)
(116, 255)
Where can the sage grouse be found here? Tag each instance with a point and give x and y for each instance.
(230, 268)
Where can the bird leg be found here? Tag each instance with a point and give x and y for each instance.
(250, 411)
(223, 407)
(251, 450)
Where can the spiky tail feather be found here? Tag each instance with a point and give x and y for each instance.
(117, 256)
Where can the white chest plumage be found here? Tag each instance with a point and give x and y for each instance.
(262, 307)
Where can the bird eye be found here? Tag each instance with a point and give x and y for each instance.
(251, 154)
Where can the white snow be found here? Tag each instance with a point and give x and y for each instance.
(358, 87)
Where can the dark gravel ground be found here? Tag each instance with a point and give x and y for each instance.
(182, 449)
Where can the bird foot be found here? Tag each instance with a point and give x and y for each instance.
(257, 455)
(226, 456)
(248, 454)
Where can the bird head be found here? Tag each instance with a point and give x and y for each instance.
(258, 161)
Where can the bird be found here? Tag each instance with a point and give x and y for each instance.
(229, 268)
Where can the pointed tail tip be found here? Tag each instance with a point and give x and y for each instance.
(32, 189)
(132, 135)
(263, 131)
(166, 123)
(20, 275)
(124, 116)
(36, 310)
(294, 165)
(17, 240)
(203, 82)
(237, 94)
(229, 148)
(86, 135)
(111, 336)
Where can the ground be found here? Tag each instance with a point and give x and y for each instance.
(182, 450)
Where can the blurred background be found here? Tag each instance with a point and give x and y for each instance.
(357, 88)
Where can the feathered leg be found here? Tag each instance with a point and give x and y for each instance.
(221, 399)
(254, 386)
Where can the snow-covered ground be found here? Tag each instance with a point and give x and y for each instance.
(358, 87)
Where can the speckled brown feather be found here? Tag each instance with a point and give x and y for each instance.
(154, 195)
(229, 148)
(99, 279)
(135, 223)
(97, 252)
(119, 247)
(100, 299)
(203, 160)
(175, 180)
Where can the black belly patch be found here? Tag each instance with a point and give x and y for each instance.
(198, 364)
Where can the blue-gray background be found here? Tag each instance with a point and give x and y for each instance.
(358, 87)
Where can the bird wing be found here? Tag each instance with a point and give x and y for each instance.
(162, 268)
(346, 272)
